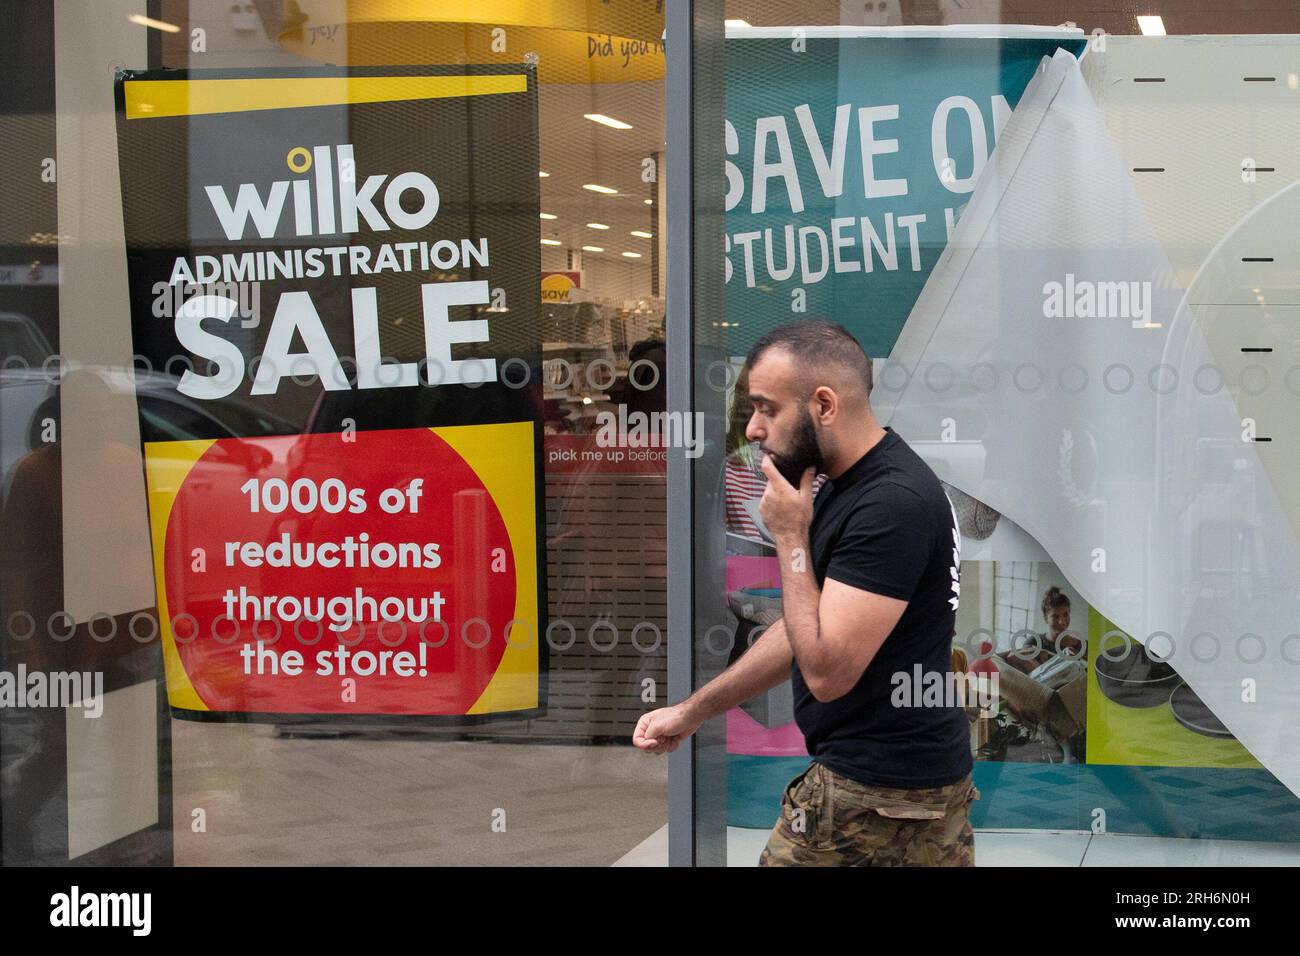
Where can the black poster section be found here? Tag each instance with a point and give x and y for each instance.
(253, 203)
(470, 146)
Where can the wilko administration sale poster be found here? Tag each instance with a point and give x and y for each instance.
(334, 314)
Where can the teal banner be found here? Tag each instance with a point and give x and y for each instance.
(849, 160)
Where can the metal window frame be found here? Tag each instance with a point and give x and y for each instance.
(679, 350)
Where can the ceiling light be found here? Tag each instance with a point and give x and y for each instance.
(642, 234)
(551, 242)
(543, 173)
(649, 202)
(597, 225)
(632, 255)
(162, 25)
(604, 120)
(593, 248)
(604, 190)
(1151, 26)
(547, 215)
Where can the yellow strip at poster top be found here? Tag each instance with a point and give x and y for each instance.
(152, 99)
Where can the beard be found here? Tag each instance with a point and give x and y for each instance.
(805, 452)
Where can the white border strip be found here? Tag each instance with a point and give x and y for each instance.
(960, 31)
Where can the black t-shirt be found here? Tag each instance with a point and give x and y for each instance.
(886, 526)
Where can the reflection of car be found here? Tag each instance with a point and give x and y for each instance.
(167, 415)
(28, 397)
(177, 417)
(22, 391)
(20, 338)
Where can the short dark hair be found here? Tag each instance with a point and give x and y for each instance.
(1054, 598)
(816, 342)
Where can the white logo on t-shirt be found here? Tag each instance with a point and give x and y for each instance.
(955, 570)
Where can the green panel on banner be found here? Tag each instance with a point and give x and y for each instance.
(861, 150)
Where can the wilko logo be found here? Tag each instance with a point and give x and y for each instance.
(324, 203)
(1084, 299)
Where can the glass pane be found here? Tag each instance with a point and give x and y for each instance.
(349, 501)
(1057, 232)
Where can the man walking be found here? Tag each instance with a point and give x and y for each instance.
(870, 584)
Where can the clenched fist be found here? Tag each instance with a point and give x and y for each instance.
(661, 731)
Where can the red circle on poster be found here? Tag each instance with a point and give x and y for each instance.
(292, 529)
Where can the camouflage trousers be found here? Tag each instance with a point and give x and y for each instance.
(830, 820)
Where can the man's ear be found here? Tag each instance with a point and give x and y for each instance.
(827, 404)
